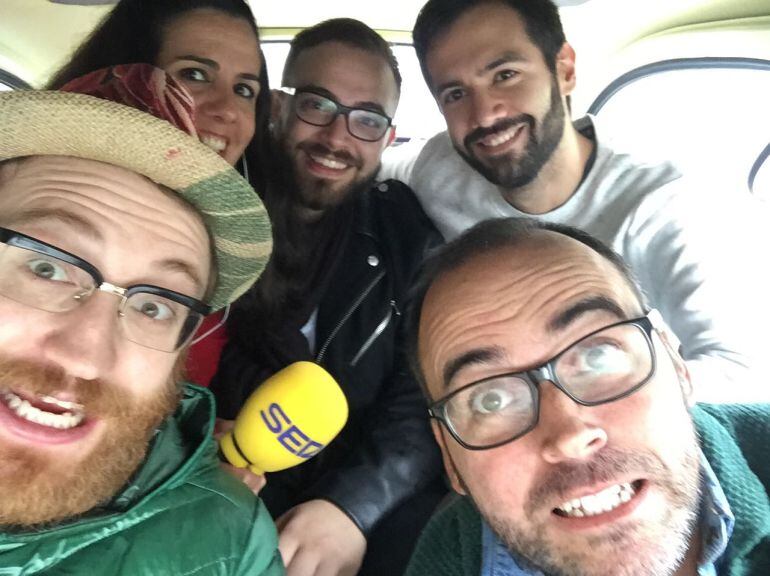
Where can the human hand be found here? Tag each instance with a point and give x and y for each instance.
(255, 482)
(318, 539)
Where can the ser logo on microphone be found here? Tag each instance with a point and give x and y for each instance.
(288, 434)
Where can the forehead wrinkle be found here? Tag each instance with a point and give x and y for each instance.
(453, 327)
(41, 215)
(131, 211)
(106, 202)
(479, 302)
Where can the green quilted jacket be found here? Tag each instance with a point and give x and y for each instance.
(735, 440)
(179, 515)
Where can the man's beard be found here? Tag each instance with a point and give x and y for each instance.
(318, 194)
(507, 170)
(36, 489)
(650, 550)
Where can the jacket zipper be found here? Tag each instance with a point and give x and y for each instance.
(377, 331)
(356, 303)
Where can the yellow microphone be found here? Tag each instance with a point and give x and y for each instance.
(290, 418)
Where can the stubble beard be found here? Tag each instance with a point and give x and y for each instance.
(515, 171)
(649, 550)
(318, 194)
(38, 491)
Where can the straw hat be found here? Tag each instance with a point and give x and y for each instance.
(86, 125)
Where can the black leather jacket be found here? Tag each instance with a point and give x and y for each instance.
(386, 452)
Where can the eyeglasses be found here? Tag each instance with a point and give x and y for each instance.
(602, 367)
(44, 277)
(319, 110)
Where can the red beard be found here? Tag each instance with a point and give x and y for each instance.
(38, 488)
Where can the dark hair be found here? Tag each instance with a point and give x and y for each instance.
(483, 238)
(133, 32)
(346, 31)
(541, 21)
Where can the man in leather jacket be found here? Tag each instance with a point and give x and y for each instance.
(346, 249)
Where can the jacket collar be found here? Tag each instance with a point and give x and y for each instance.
(744, 490)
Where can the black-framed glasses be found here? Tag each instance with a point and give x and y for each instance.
(47, 278)
(319, 110)
(604, 366)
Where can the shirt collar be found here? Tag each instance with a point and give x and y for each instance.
(716, 519)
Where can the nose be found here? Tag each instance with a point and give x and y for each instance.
(336, 134)
(487, 109)
(569, 431)
(84, 341)
(219, 102)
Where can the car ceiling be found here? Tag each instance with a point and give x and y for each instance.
(36, 36)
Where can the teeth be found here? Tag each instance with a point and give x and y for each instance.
(328, 162)
(500, 138)
(214, 142)
(604, 501)
(61, 403)
(24, 409)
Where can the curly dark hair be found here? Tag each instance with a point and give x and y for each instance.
(541, 21)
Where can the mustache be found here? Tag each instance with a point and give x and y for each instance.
(96, 396)
(606, 466)
(321, 150)
(482, 132)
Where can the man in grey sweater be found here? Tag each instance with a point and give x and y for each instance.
(502, 72)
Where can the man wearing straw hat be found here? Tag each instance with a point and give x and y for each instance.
(118, 233)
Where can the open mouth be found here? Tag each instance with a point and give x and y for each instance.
(328, 162)
(602, 502)
(44, 410)
(216, 143)
(500, 138)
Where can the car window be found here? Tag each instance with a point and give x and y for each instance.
(10, 82)
(712, 121)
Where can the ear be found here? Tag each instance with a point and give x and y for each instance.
(391, 136)
(680, 366)
(565, 69)
(449, 466)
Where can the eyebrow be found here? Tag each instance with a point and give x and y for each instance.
(215, 65)
(182, 267)
(593, 304)
(83, 226)
(58, 215)
(506, 57)
(365, 105)
(470, 358)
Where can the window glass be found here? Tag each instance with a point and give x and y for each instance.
(10, 82)
(761, 185)
(417, 117)
(712, 122)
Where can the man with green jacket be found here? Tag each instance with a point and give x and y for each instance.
(562, 409)
(118, 233)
